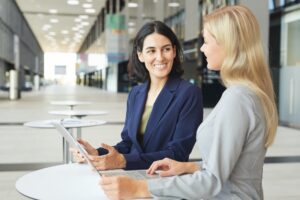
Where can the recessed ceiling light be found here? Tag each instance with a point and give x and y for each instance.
(65, 32)
(90, 10)
(73, 2)
(52, 11)
(52, 33)
(46, 27)
(131, 24)
(83, 16)
(132, 5)
(173, 4)
(77, 19)
(53, 20)
(87, 5)
(85, 23)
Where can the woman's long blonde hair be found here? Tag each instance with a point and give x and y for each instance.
(236, 29)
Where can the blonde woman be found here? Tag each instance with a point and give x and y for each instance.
(235, 136)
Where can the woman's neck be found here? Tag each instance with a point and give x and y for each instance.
(155, 87)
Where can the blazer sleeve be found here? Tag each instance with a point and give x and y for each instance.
(125, 145)
(227, 144)
(183, 139)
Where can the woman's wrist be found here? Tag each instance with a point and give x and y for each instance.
(122, 161)
(191, 167)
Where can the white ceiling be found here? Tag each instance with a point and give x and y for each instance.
(73, 24)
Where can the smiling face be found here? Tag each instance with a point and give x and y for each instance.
(213, 51)
(158, 55)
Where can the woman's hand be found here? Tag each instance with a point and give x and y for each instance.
(112, 160)
(123, 187)
(89, 148)
(169, 167)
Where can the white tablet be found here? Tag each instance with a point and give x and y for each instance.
(73, 142)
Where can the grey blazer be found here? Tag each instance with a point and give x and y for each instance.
(231, 142)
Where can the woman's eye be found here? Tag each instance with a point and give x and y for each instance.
(150, 51)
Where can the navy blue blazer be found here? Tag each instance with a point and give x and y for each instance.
(171, 128)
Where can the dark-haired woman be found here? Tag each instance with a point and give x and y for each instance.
(163, 113)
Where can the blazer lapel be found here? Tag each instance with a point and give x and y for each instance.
(160, 106)
(139, 103)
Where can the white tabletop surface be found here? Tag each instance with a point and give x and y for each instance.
(62, 182)
(77, 112)
(69, 103)
(68, 123)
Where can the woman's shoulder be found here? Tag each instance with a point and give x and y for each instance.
(136, 88)
(240, 96)
(239, 91)
(184, 84)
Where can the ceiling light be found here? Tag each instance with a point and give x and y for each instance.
(77, 19)
(85, 23)
(173, 4)
(52, 33)
(87, 5)
(54, 20)
(132, 5)
(52, 11)
(46, 27)
(73, 2)
(90, 10)
(65, 32)
(131, 24)
(84, 16)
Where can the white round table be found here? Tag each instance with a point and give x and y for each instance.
(77, 114)
(67, 123)
(62, 182)
(70, 103)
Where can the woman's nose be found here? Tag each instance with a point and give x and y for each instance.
(201, 48)
(159, 55)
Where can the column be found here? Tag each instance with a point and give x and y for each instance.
(191, 27)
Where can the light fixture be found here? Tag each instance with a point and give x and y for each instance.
(83, 16)
(173, 4)
(85, 23)
(73, 2)
(90, 10)
(52, 11)
(131, 24)
(132, 5)
(65, 32)
(53, 20)
(87, 5)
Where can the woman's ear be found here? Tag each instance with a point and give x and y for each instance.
(140, 56)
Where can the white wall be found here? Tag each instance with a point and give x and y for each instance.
(67, 59)
(261, 11)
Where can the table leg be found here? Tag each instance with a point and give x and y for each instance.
(66, 157)
(78, 135)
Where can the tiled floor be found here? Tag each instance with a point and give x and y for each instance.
(21, 144)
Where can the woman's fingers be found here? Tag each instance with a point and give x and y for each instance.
(158, 165)
(77, 156)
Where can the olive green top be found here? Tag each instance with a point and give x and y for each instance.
(144, 120)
